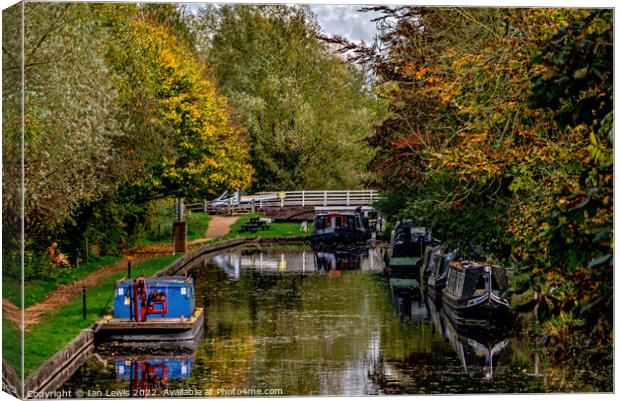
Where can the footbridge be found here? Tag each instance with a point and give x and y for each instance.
(285, 203)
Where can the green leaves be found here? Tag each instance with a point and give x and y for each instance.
(305, 109)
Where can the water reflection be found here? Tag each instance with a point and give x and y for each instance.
(302, 261)
(279, 319)
(152, 373)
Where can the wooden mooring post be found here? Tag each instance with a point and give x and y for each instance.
(84, 303)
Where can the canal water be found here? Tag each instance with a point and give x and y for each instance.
(295, 322)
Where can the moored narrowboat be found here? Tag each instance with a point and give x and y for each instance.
(475, 289)
(338, 227)
(439, 268)
(409, 240)
(152, 309)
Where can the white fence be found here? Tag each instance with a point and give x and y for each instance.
(283, 199)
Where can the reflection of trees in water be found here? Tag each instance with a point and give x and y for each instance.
(311, 333)
(316, 334)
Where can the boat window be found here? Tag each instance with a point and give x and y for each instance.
(351, 222)
(339, 222)
(320, 223)
(328, 222)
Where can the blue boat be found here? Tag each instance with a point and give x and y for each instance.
(153, 309)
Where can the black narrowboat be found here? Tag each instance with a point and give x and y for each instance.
(338, 227)
(475, 289)
(409, 240)
(427, 262)
(439, 268)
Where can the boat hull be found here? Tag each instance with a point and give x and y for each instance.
(435, 287)
(482, 307)
(155, 330)
(338, 238)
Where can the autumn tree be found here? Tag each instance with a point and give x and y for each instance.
(305, 109)
(195, 149)
(499, 135)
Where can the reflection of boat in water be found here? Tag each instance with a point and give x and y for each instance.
(338, 260)
(349, 259)
(480, 349)
(473, 292)
(409, 301)
(479, 356)
(148, 374)
(305, 262)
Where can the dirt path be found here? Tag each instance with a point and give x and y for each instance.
(218, 226)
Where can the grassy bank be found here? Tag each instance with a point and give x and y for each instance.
(280, 229)
(11, 344)
(36, 290)
(42, 341)
(197, 224)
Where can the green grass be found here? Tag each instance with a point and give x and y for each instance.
(280, 229)
(36, 290)
(11, 345)
(61, 327)
(197, 224)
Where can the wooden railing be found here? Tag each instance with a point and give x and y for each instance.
(282, 199)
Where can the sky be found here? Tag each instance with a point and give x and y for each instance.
(346, 21)
(342, 20)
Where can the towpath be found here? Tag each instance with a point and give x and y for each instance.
(63, 294)
(218, 227)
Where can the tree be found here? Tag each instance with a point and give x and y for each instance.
(181, 139)
(500, 132)
(305, 109)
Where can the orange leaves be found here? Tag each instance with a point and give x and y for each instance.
(412, 141)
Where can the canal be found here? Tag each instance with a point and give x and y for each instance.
(290, 321)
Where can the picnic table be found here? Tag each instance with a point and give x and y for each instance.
(255, 224)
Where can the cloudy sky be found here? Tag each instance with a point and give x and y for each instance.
(343, 20)
(346, 21)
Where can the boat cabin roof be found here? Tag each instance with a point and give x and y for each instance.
(336, 213)
(166, 280)
(474, 269)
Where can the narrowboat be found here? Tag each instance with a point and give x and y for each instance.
(152, 309)
(409, 240)
(427, 262)
(438, 277)
(475, 289)
(339, 227)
